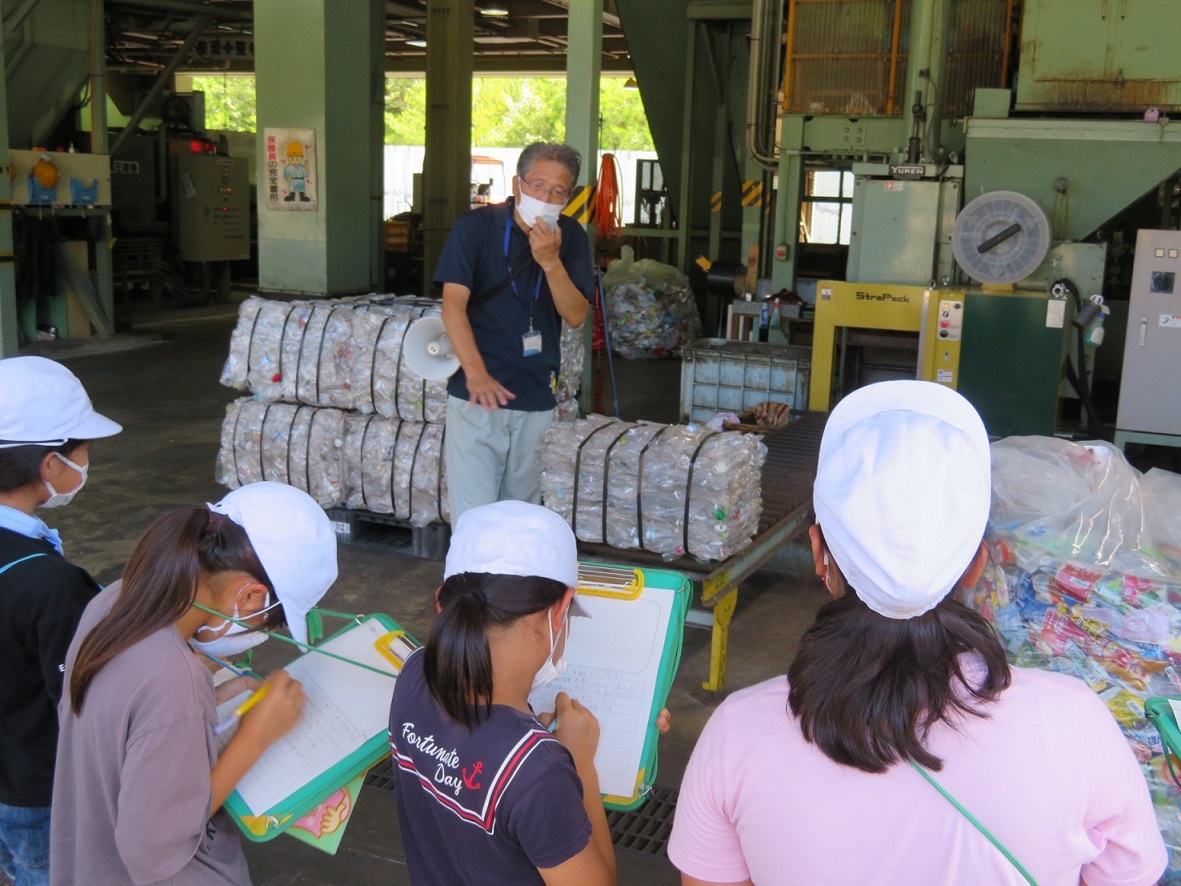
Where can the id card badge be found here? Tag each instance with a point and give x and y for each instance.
(531, 343)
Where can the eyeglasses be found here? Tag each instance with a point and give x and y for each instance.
(558, 194)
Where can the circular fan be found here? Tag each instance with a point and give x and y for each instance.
(1000, 238)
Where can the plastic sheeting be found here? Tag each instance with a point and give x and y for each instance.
(1086, 580)
(362, 461)
(671, 489)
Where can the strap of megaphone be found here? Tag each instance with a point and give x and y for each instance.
(302, 646)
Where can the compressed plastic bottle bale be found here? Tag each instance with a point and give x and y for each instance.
(265, 348)
(381, 380)
(671, 489)
(396, 467)
(348, 354)
(289, 443)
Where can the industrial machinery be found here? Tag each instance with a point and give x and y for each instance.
(1148, 411)
(1003, 348)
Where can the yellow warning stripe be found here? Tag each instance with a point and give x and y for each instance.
(752, 193)
(715, 202)
(581, 207)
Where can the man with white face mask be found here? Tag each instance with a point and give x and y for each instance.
(46, 425)
(510, 274)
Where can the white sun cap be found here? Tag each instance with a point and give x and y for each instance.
(515, 538)
(43, 404)
(294, 541)
(902, 493)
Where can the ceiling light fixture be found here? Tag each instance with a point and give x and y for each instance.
(493, 9)
(631, 83)
(421, 44)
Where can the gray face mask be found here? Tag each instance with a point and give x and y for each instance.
(58, 499)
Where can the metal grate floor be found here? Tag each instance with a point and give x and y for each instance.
(645, 829)
(642, 830)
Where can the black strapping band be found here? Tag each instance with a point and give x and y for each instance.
(689, 487)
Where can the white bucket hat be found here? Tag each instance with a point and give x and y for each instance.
(294, 541)
(43, 404)
(902, 493)
(515, 538)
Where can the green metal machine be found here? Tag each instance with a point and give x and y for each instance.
(928, 104)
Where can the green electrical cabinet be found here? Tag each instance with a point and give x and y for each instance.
(1011, 360)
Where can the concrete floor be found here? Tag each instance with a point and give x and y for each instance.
(161, 382)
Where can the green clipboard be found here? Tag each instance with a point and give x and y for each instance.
(281, 816)
(1160, 714)
(633, 584)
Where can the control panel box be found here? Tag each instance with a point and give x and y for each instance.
(211, 197)
(940, 337)
(1152, 349)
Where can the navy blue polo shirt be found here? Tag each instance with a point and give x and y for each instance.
(473, 256)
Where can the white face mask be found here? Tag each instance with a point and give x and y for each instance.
(234, 641)
(58, 499)
(551, 670)
(532, 209)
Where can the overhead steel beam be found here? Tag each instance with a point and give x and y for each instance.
(162, 80)
(194, 9)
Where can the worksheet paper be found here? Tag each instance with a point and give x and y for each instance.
(613, 666)
(346, 707)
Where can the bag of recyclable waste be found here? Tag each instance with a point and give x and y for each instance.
(650, 309)
(289, 443)
(1084, 578)
(672, 489)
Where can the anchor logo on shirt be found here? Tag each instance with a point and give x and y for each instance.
(470, 780)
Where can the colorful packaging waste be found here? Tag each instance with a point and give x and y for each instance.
(1085, 579)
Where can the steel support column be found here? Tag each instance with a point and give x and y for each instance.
(9, 325)
(685, 204)
(447, 167)
(104, 284)
(315, 70)
(583, 67)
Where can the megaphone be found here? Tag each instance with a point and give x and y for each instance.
(427, 349)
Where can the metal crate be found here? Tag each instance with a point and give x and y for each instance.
(719, 375)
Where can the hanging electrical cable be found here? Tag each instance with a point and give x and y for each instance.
(607, 205)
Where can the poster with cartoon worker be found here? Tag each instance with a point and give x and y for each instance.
(290, 166)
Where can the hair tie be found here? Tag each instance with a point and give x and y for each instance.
(213, 524)
(478, 596)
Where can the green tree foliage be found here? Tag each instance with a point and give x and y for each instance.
(229, 102)
(506, 111)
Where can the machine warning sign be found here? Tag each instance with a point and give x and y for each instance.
(1173, 321)
(945, 377)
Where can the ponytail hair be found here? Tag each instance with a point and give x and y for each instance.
(867, 689)
(457, 661)
(160, 584)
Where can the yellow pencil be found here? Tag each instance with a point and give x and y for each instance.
(241, 710)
